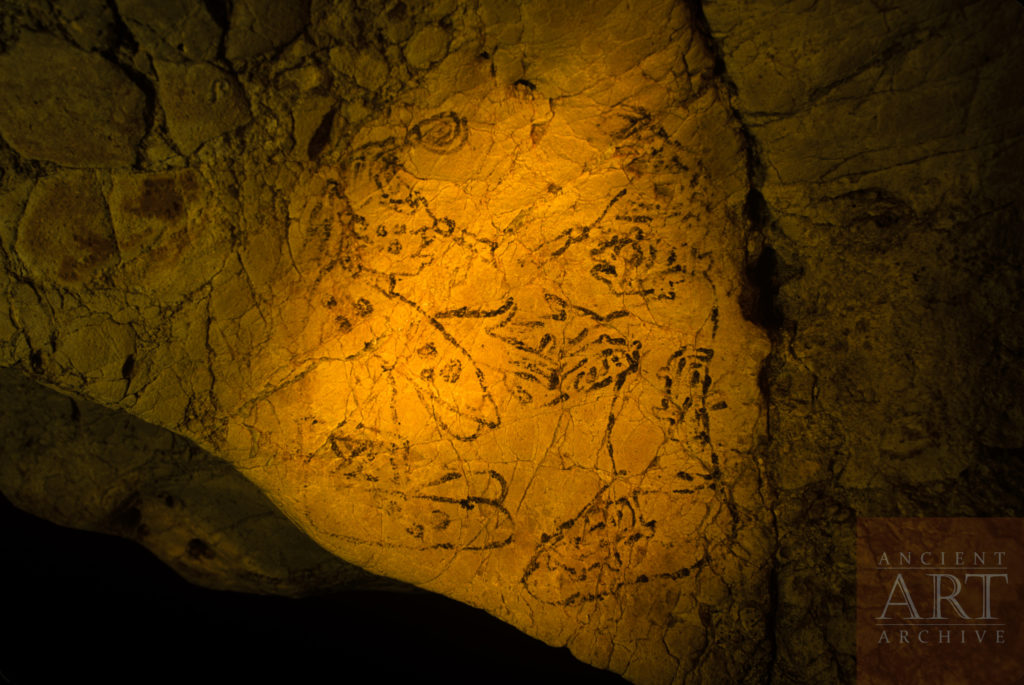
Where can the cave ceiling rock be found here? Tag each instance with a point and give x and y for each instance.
(200, 102)
(172, 30)
(90, 24)
(78, 464)
(95, 113)
(258, 26)
(477, 329)
(890, 138)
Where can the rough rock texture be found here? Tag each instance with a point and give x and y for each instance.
(95, 114)
(172, 30)
(258, 26)
(200, 102)
(890, 141)
(476, 294)
(462, 298)
(84, 466)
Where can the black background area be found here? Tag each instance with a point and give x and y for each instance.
(85, 607)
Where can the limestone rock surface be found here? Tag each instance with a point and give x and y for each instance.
(84, 466)
(200, 102)
(95, 115)
(477, 329)
(479, 295)
(65, 233)
(890, 143)
(258, 26)
(173, 30)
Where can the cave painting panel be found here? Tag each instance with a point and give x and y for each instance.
(592, 336)
(488, 340)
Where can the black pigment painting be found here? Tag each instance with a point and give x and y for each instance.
(512, 340)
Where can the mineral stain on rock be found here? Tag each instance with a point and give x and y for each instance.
(150, 213)
(65, 232)
(160, 199)
(198, 549)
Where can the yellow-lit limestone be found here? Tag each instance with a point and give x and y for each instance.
(65, 234)
(172, 30)
(461, 296)
(95, 115)
(200, 102)
(261, 25)
(96, 469)
(88, 23)
(427, 46)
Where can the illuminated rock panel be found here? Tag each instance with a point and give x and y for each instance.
(462, 288)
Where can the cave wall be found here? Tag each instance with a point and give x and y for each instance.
(480, 297)
(81, 465)
(888, 143)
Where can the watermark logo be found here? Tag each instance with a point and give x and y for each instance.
(940, 600)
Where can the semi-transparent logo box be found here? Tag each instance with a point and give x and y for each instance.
(940, 601)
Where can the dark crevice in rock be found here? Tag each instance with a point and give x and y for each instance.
(772, 617)
(220, 12)
(124, 42)
(759, 298)
(760, 306)
(128, 367)
(123, 37)
(13, 165)
(321, 136)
